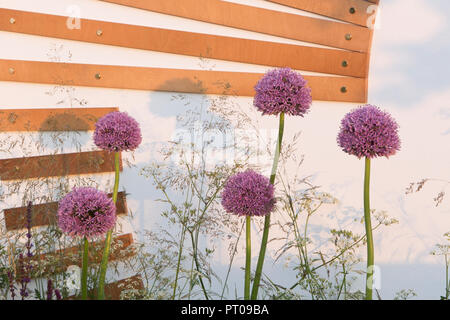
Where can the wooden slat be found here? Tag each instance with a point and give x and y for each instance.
(58, 119)
(114, 289)
(72, 256)
(337, 9)
(193, 44)
(57, 165)
(172, 80)
(266, 21)
(45, 213)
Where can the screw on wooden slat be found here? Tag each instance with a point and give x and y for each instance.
(99, 32)
(101, 161)
(348, 36)
(12, 20)
(17, 168)
(345, 63)
(98, 76)
(352, 10)
(343, 89)
(11, 71)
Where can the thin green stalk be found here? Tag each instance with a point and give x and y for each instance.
(107, 248)
(368, 224)
(248, 257)
(447, 287)
(265, 235)
(197, 265)
(231, 262)
(84, 271)
(180, 252)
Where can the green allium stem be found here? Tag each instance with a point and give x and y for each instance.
(368, 224)
(248, 257)
(84, 270)
(107, 248)
(265, 235)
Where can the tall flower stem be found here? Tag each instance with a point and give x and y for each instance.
(248, 257)
(107, 248)
(368, 224)
(84, 270)
(265, 236)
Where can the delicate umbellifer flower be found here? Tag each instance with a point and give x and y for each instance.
(369, 132)
(86, 212)
(282, 90)
(248, 194)
(117, 131)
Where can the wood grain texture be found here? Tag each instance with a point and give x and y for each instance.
(287, 25)
(61, 259)
(57, 165)
(305, 58)
(45, 213)
(353, 11)
(114, 290)
(57, 119)
(171, 80)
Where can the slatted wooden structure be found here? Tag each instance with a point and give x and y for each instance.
(337, 48)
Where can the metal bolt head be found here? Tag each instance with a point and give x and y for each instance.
(99, 32)
(98, 76)
(343, 89)
(348, 36)
(352, 10)
(12, 20)
(11, 71)
(345, 63)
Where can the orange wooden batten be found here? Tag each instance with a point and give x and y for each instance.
(353, 11)
(308, 29)
(113, 290)
(45, 213)
(57, 165)
(345, 89)
(314, 59)
(71, 256)
(60, 119)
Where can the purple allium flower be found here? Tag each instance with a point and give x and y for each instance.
(369, 132)
(117, 131)
(282, 90)
(248, 194)
(86, 212)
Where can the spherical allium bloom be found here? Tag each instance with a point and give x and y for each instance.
(282, 90)
(86, 212)
(248, 194)
(117, 131)
(369, 132)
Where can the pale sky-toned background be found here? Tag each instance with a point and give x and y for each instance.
(408, 77)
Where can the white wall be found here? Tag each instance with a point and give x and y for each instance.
(424, 153)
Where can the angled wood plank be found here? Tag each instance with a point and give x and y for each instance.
(57, 165)
(113, 290)
(353, 11)
(45, 213)
(72, 256)
(171, 80)
(305, 58)
(287, 25)
(58, 119)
